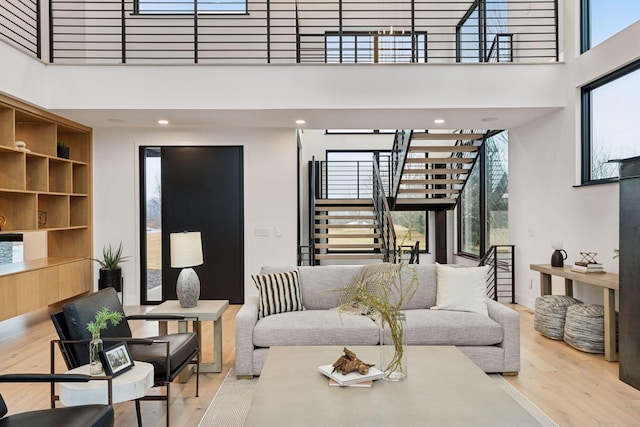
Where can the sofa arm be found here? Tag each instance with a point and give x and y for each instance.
(510, 321)
(246, 320)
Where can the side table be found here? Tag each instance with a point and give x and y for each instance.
(130, 385)
(206, 310)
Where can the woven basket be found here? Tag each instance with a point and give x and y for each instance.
(549, 315)
(584, 327)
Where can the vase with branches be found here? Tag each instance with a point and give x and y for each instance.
(102, 320)
(380, 292)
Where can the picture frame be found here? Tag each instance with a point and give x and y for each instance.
(116, 359)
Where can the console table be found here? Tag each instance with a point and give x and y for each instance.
(609, 284)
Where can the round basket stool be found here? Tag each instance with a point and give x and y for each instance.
(584, 327)
(549, 315)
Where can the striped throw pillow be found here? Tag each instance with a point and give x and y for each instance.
(278, 293)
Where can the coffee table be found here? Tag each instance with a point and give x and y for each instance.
(443, 387)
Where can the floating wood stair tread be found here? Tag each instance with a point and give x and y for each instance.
(447, 136)
(443, 148)
(345, 217)
(429, 190)
(348, 226)
(327, 208)
(348, 246)
(349, 256)
(414, 201)
(440, 160)
(431, 181)
(443, 171)
(344, 202)
(346, 236)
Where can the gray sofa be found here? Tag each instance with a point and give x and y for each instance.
(492, 342)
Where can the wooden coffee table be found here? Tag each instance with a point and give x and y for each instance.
(443, 387)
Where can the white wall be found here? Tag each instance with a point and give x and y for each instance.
(269, 193)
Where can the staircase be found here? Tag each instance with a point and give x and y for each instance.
(435, 170)
(346, 229)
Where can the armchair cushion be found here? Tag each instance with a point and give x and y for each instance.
(181, 346)
(74, 416)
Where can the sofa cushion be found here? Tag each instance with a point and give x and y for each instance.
(442, 327)
(315, 327)
(321, 286)
(425, 295)
(462, 289)
(278, 293)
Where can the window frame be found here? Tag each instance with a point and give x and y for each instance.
(586, 124)
(136, 11)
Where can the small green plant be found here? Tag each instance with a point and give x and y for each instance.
(103, 318)
(111, 258)
(62, 144)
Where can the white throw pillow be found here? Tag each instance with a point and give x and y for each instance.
(461, 289)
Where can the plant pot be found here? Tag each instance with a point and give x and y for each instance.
(63, 152)
(110, 278)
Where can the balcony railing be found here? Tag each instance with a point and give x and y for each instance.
(288, 31)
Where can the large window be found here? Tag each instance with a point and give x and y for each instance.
(602, 19)
(484, 202)
(187, 6)
(609, 125)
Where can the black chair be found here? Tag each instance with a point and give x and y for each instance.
(73, 416)
(169, 354)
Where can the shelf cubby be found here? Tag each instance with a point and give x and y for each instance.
(7, 126)
(77, 142)
(79, 211)
(37, 173)
(57, 211)
(39, 134)
(81, 179)
(59, 176)
(12, 172)
(74, 242)
(19, 210)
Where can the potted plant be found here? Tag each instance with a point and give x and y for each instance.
(110, 271)
(103, 317)
(63, 150)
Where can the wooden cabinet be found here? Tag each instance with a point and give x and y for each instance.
(40, 191)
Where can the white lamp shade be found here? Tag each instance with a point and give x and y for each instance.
(186, 249)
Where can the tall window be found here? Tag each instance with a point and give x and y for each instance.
(187, 6)
(609, 116)
(150, 174)
(484, 202)
(602, 19)
(373, 47)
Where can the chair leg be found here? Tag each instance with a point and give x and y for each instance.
(198, 374)
(138, 414)
(168, 406)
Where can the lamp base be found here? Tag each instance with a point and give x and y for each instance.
(188, 288)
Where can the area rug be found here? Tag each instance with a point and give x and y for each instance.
(230, 405)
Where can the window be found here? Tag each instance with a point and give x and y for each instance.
(602, 19)
(483, 208)
(608, 123)
(373, 47)
(187, 6)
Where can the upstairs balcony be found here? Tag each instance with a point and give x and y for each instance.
(282, 31)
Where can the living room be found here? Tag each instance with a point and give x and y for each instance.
(256, 107)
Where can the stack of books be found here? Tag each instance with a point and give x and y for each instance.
(587, 267)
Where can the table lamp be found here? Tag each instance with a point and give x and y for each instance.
(186, 252)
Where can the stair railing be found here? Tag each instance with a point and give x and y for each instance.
(501, 49)
(409, 253)
(313, 185)
(501, 278)
(399, 152)
(383, 213)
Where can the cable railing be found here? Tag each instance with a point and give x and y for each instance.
(501, 278)
(296, 31)
(385, 222)
(351, 179)
(399, 153)
(20, 24)
(501, 49)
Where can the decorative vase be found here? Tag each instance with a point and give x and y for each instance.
(95, 364)
(62, 152)
(110, 278)
(393, 355)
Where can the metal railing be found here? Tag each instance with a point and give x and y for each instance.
(351, 179)
(385, 223)
(410, 254)
(501, 279)
(399, 152)
(296, 31)
(20, 24)
(501, 49)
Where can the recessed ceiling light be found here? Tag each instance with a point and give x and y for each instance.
(438, 121)
(300, 122)
(163, 122)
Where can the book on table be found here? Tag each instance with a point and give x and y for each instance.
(588, 268)
(352, 377)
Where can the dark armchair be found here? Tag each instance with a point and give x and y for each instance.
(74, 416)
(169, 354)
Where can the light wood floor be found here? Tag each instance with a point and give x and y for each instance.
(573, 388)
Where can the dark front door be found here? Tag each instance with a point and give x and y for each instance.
(202, 190)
